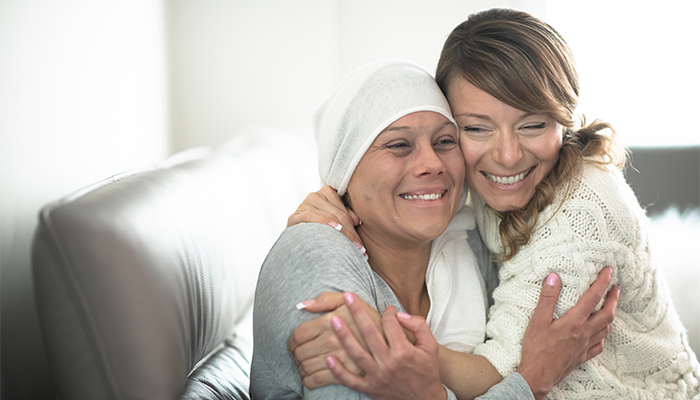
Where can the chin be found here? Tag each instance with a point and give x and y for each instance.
(509, 206)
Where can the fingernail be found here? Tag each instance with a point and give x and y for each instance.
(552, 279)
(610, 271)
(303, 304)
(359, 247)
(330, 361)
(335, 225)
(348, 298)
(335, 323)
(403, 315)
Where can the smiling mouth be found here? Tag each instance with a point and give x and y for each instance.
(507, 180)
(426, 196)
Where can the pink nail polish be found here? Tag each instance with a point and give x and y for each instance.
(403, 315)
(335, 225)
(303, 304)
(348, 298)
(552, 279)
(335, 323)
(330, 361)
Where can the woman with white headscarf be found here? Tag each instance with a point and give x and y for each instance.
(388, 144)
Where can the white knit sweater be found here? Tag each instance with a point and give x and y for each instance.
(600, 223)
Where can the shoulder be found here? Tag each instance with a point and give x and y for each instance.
(312, 238)
(603, 187)
(309, 247)
(598, 205)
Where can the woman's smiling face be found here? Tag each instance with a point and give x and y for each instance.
(507, 151)
(409, 182)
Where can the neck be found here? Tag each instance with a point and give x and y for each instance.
(403, 266)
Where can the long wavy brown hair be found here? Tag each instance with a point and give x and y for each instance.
(525, 63)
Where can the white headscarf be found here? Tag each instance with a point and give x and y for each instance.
(366, 102)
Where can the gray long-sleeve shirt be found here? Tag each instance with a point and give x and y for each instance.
(307, 260)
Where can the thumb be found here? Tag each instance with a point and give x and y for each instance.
(548, 298)
(326, 301)
(418, 327)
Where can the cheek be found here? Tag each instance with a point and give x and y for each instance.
(554, 145)
(454, 163)
(470, 153)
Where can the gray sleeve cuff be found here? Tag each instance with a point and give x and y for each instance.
(513, 386)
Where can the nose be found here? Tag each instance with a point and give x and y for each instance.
(507, 151)
(429, 162)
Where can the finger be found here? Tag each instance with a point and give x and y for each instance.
(544, 311)
(599, 336)
(322, 213)
(347, 378)
(393, 330)
(368, 331)
(419, 328)
(321, 378)
(594, 351)
(316, 364)
(325, 344)
(355, 219)
(606, 315)
(326, 301)
(306, 332)
(355, 351)
(590, 300)
(327, 199)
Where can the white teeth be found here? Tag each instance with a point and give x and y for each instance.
(508, 180)
(432, 196)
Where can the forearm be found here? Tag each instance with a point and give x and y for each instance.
(467, 375)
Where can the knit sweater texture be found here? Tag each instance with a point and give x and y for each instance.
(594, 222)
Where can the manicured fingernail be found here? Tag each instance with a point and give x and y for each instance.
(348, 298)
(403, 315)
(610, 271)
(335, 225)
(362, 249)
(303, 304)
(552, 279)
(330, 361)
(359, 246)
(335, 323)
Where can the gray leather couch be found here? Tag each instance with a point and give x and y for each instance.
(144, 281)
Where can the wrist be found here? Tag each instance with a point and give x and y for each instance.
(534, 379)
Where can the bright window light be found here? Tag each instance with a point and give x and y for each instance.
(638, 65)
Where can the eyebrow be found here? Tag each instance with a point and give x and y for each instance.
(488, 118)
(408, 128)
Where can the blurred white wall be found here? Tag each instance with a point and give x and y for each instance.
(237, 64)
(82, 97)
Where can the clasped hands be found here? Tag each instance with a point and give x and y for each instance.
(394, 355)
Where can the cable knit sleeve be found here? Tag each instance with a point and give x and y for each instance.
(588, 227)
(596, 222)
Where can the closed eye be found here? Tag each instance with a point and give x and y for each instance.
(398, 145)
(446, 141)
(473, 129)
(535, 126)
